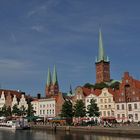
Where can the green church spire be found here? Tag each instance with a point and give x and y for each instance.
(49, 79)
(101, 53)
(55, 81)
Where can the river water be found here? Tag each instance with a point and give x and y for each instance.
(45, 135)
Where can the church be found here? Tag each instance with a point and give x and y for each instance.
(121, 103)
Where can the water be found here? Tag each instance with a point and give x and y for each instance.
(43, 135)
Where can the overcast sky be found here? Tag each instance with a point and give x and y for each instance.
(37, 34)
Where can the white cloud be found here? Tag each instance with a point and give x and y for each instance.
(38, 28)
(9, 64)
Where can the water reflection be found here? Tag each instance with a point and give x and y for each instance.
(45, 135)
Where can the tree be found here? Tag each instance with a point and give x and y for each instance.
(79, 109)
(67, 111)
(100, 85)
(93, 109)
(88, 85)
(115, 85)
(30, 110)
(6, 111)
(22, 111)
(15, 110)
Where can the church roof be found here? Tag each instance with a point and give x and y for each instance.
(101, 54)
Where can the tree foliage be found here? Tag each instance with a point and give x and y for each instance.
(15, 110)
(93, 109)
(67, 110)
(115, 85)
(100, 85)
(88, 85)
(79, 109)
(6, 111)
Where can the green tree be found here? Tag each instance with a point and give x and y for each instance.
(67, 111)
(30, 110)
(100, 85)
(115, 85)
(15, 110)
(6, 111)
(22, 111)
(93, 109)
(88, 85)
(79, 109)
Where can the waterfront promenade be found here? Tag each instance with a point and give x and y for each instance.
(131, 130)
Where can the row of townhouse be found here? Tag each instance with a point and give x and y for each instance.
(122, 104)
(10, 98)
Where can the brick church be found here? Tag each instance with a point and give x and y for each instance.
(122, 103)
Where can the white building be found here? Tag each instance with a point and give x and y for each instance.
(127, 111)
(23, 102)
(106, 104)
(45, 107)
(2, 100)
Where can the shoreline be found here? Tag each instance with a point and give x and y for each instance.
(92, 129)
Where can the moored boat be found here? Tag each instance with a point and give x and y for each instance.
(15, 125)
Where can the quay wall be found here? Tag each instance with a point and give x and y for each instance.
(97, 130)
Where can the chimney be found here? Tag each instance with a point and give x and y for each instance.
(38, 96)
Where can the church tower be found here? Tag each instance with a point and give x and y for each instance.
(102, 63)
(55, 86)
(52, 87)
(48, 84)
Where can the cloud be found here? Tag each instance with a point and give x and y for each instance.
(9, 64)
(43, 8)
(38, 28)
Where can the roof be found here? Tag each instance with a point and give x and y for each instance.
(12, 93)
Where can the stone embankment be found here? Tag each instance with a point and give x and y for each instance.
(131, 131)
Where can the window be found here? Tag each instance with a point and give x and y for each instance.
(129, 107)
(123, 116)
(117, 107)
(101, 100)
(101, 113)
(136, 116)
(130, 116)
(108, 113)
(104, 94)
(109, 100)
(43, 112)
(109, 106)
(122, 106)
(101, 106)
(105, 106)
(118, 116)
(40, 112)
(135, 106)
(53, 111)
(104, 113)
(105, 100)
(87, 100)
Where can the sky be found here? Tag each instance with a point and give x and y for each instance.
(37, 34)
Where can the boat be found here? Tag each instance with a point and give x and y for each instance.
(15, 125)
